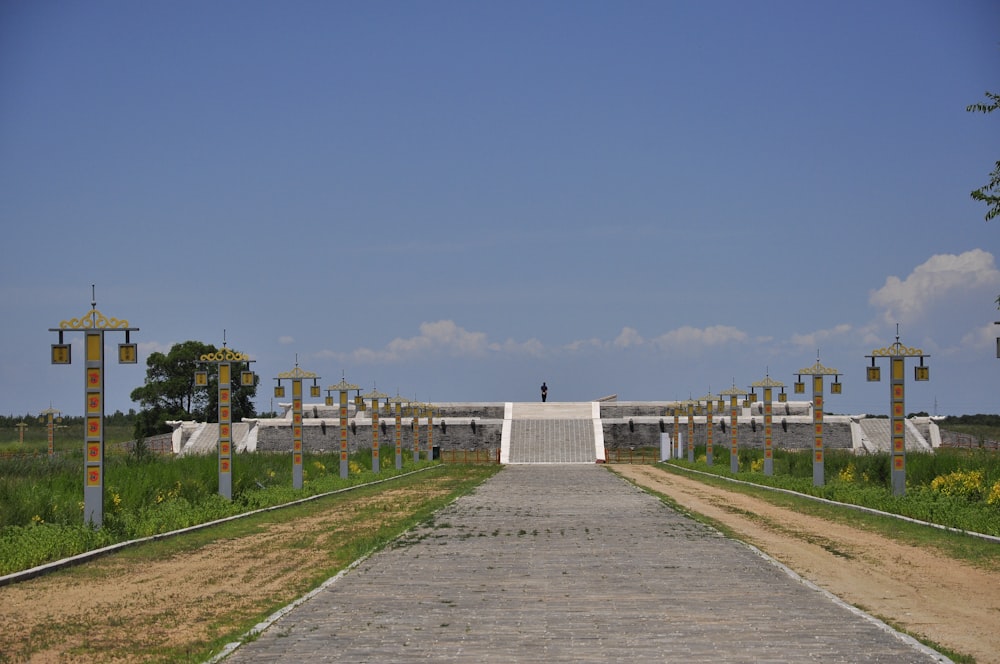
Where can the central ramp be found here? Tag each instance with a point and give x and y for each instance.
(571, 564)
(552, 433)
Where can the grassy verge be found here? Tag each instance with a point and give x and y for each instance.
(41, 506)
(953, 488)
(975, 551)
(281, 555)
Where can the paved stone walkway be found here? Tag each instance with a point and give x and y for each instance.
(553, 433)
(552, 441)
(572, 564)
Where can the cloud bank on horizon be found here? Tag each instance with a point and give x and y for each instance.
(910, 300)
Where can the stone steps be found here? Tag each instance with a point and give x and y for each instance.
(877, 436)
(552, 433)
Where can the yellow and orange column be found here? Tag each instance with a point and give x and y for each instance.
(430, 431)
(397, 403)
(343, 387)
(689, 408)
(817, 372)
(709, 400)
(297, 375)
(51, 416)
(93, 324)
(734, 412)
(767, 386)
(223, 360)
(897, 354)
(376, 398)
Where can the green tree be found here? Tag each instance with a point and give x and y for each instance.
(169, 392)
(989, 193)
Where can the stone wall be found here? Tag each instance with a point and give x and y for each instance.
(797, 434)
(459, 434)
(325, 437)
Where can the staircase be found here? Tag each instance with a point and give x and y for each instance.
(552, 433)
(205, 439)
(876, 436)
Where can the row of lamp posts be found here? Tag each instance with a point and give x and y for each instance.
(226, 361)
(94, 325)
(897, 354)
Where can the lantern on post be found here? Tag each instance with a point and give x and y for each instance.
(767, 386)
(342, 388)
(710, 403)
(375, 397)
(817, 372)
(734, 454)
(223, 360)
(398, 402)
(897, 354)
(297, 375)
(50, 417)
(93, 324)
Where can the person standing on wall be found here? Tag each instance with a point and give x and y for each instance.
(545, 391)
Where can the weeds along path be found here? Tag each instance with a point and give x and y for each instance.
(919, 590)
(169, 601)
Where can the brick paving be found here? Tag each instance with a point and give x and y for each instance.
(552, 441)
(552, 433)
(569, 563)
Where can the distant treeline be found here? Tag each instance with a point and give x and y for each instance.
(117, 418)
(972, 420)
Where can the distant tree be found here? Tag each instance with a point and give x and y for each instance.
(989, 193)
(169, 392)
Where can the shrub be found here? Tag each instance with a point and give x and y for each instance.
(994, 497)
(967, 484)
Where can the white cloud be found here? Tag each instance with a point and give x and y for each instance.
(442, 336)
(814, 340)
(446, 337)
(286, 340)
(583, 344)
(982, 337)
(627, 338)
(936, 279)
(687, 337)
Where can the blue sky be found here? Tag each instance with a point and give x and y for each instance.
(455, 201)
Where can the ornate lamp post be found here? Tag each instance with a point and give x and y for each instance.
(51, 417)
(413, 409)
(429, 411)
(21, 426)
(734, 411)
(671, 412)
(710, 401)
(375, 397)
(343, 387)
(689, 408)
(767, 385)
(419, 410)
(398, 402)
(818, 371)
(223, 360)
(297, 375)
(897, 354)
(93, 325)
(677, 410)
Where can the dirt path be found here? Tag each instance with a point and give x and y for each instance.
(925, 593)
(124, 608)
